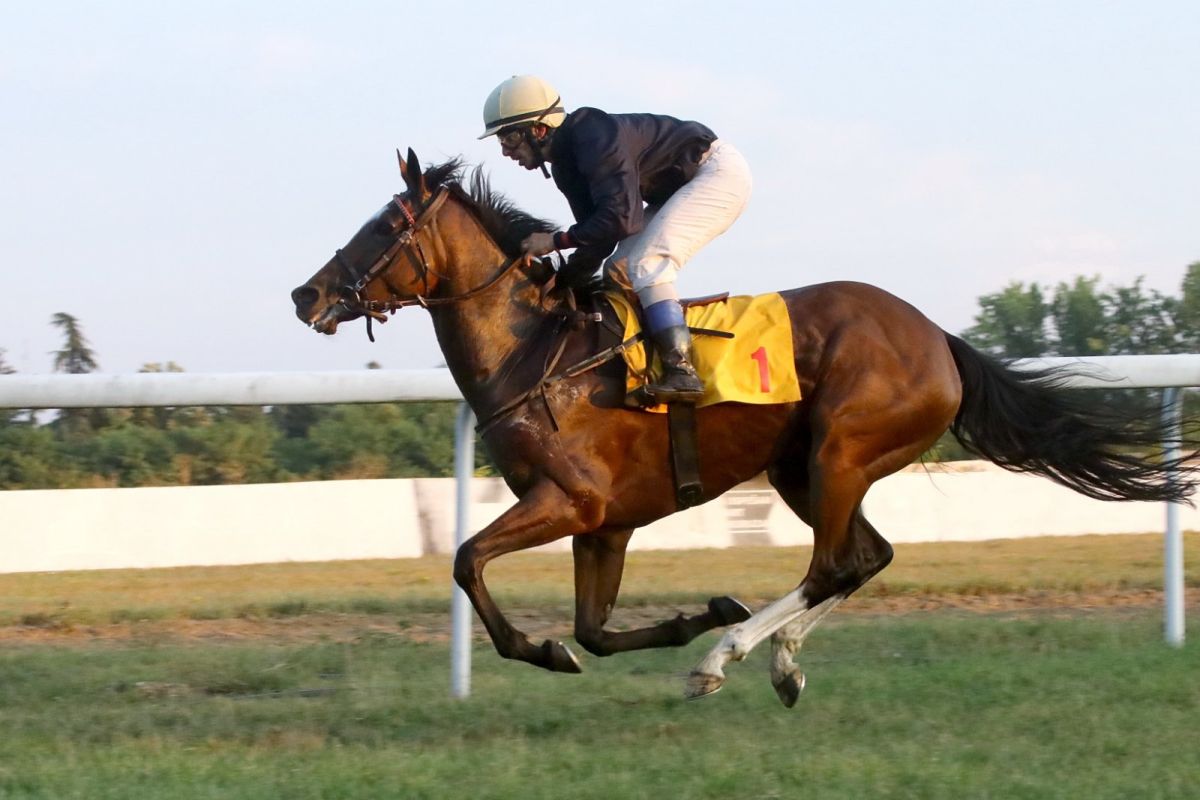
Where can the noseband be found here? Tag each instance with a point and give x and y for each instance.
(352, 298)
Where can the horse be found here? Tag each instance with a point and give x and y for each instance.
(880, 383)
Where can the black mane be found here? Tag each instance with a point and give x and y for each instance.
(506, 223)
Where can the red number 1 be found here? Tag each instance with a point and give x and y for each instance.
(764, 375)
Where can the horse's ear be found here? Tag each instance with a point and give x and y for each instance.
(410, 170)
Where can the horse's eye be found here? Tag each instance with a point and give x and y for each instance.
(384, 226)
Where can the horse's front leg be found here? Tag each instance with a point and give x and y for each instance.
(544, 514)
(599, 563)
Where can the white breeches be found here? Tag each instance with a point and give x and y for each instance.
(699, 212)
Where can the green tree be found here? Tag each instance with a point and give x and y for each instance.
(30, 458)
(127, 455)
(1139, 322)
(76, 358)
(1012, 322)
(385, 440)
(231, 449)
(168, 417)
(1187, 311)
(1078, 313)
(7, 415)
(1081, 320)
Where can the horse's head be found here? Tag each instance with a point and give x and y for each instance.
(384, 266)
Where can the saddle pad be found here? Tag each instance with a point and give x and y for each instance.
(756, 366)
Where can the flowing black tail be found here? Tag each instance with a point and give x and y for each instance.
(1025, 421)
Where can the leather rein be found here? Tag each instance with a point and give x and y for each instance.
(351, 295)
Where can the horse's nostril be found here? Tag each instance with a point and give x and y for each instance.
(304, 296)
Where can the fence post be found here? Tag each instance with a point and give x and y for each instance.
(460, 607)
(1172, 411)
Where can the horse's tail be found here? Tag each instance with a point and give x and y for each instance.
(1026, 421)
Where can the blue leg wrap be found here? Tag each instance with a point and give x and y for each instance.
(664, 314)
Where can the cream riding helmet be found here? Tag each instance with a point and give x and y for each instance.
(522, 99)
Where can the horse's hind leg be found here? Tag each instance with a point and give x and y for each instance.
(599, 563)
(786, 677)
(844, 557)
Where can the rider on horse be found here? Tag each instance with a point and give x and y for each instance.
(693, 184)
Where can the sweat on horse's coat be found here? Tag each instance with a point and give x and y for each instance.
(879, 384)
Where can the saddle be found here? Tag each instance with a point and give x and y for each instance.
(681, 417)
(742, 349)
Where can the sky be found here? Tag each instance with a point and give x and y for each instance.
(169, 171)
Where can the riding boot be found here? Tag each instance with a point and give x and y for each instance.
(679, 382)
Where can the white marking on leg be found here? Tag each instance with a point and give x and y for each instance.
(739, 640)
(786, 641)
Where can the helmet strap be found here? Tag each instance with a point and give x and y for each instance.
(536, 146)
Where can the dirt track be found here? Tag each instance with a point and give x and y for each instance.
(539, 623)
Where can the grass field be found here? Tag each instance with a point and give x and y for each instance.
(1039, 673)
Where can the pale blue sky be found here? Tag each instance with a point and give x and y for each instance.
(169, 171)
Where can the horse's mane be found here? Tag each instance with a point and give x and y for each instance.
(506, 223)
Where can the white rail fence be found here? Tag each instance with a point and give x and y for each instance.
(378, 386)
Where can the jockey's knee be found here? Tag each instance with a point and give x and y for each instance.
(657, 292)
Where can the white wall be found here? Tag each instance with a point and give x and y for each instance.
(159, 527)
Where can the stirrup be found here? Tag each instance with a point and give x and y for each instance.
(664, 393)
(645, 395)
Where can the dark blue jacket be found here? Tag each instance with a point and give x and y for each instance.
(607, 165)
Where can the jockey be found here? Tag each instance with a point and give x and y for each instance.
(692, 184)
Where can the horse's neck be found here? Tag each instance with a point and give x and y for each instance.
(488, 338)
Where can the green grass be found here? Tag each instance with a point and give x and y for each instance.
(1062, 703)
(913, 706)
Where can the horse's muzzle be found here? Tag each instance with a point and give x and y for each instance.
(322, 317)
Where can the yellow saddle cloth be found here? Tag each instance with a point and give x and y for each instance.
(756, 366)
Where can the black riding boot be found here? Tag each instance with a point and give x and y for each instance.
(679, 382)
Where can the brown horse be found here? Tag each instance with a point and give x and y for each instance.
(880, 384)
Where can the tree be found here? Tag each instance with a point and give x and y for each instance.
(1080, 320)
(1139, 322)
(127, 455)
(76, 356)
(232, 449)
(1078, 313)
(166, 417)
(7, 415)
(1187, 311)
(1012, 322)
(30, 459)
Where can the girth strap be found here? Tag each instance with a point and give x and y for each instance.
(685, 454)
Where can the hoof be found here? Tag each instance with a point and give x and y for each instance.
(702, 684)
(559, 658)
(790, 687)
(728, 611)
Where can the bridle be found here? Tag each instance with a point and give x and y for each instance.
(351, 296)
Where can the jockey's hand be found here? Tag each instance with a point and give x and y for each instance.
(538, 244)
